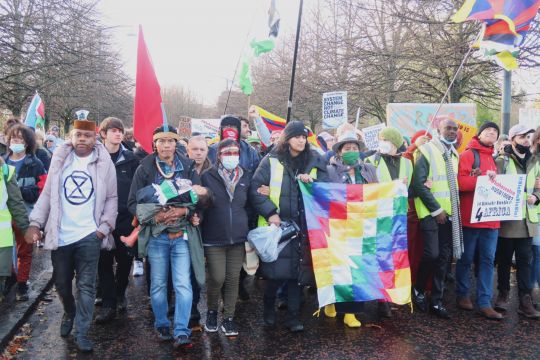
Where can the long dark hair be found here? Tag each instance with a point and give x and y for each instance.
(297, 164)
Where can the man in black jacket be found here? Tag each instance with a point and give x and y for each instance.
(113, 286)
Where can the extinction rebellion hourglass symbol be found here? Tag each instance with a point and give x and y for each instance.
(78, 188)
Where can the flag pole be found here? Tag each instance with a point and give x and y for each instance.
(291, 91)
(238, 61)
(454, 79)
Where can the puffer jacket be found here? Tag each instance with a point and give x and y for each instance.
(294, 261)
(226, 221)
(30, 178)
(126, 165)
(467, 183)
(47, 212)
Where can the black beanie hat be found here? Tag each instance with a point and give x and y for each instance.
(486, 125)
(230, 121)
(294, 128)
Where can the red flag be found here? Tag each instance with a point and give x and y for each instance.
(147, 114)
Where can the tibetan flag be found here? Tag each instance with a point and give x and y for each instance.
(505, 25)
(147, 114)
(358, 240)
(35, 115)
(266, 122)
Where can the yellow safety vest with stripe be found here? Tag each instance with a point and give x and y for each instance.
(383, 174)
(529, 211)
(6, 232)
(276, 178)
(437, 174)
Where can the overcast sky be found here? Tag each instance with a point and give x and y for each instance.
(193, 43)
(196, 43)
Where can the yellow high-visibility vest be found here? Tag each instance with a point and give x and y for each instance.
(383, 174)
(6, 232)
(437, 173)
(276, 178)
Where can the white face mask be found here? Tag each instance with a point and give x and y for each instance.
(385, 147)
(230, 162)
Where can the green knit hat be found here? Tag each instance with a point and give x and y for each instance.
(393, 135)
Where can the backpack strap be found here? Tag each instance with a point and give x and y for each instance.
(476, 162)
(506, 161)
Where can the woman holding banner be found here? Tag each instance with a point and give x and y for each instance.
(347, 168)
(292, 160)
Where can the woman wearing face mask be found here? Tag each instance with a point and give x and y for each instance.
(31, 175)
(347, 168)
(292, 160)
(224, 232)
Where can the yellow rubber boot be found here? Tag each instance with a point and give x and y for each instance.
(330, 311)
(351, 321)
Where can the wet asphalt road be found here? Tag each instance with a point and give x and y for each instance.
(405, 336)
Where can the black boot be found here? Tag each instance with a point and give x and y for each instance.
(269, 313)
(293, 323)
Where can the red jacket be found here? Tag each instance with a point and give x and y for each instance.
(467, 183)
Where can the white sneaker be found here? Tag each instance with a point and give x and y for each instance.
(138, 268)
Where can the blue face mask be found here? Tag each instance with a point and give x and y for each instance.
(230, 162)
(448, 142)
(17, 148)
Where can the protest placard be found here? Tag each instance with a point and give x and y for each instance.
(371, 136)
(529, 117)
(410, 118)
(206, 127)
(334, 109)
(499, 199)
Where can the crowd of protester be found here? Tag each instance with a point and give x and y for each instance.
(96, 199)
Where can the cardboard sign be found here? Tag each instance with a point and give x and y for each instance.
(334, 109)
(529, 117)
(371, 136)
(499, 199)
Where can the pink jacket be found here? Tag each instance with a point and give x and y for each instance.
(47, 212)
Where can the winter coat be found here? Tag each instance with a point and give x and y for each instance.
(47, 212)
(146, 174)
(30, 178)
(249, 157)
(225, 222)
(467, 183)
(294, 261)
(519, 228)
(45, 157)
(126, 165)
(337, 171)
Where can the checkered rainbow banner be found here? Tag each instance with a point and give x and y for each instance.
(358, 240)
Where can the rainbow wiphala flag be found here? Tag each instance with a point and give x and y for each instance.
(358, 238)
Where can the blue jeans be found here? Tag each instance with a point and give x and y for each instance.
(535, 268)
(485, 242)
(79, 259)
(163, 254)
